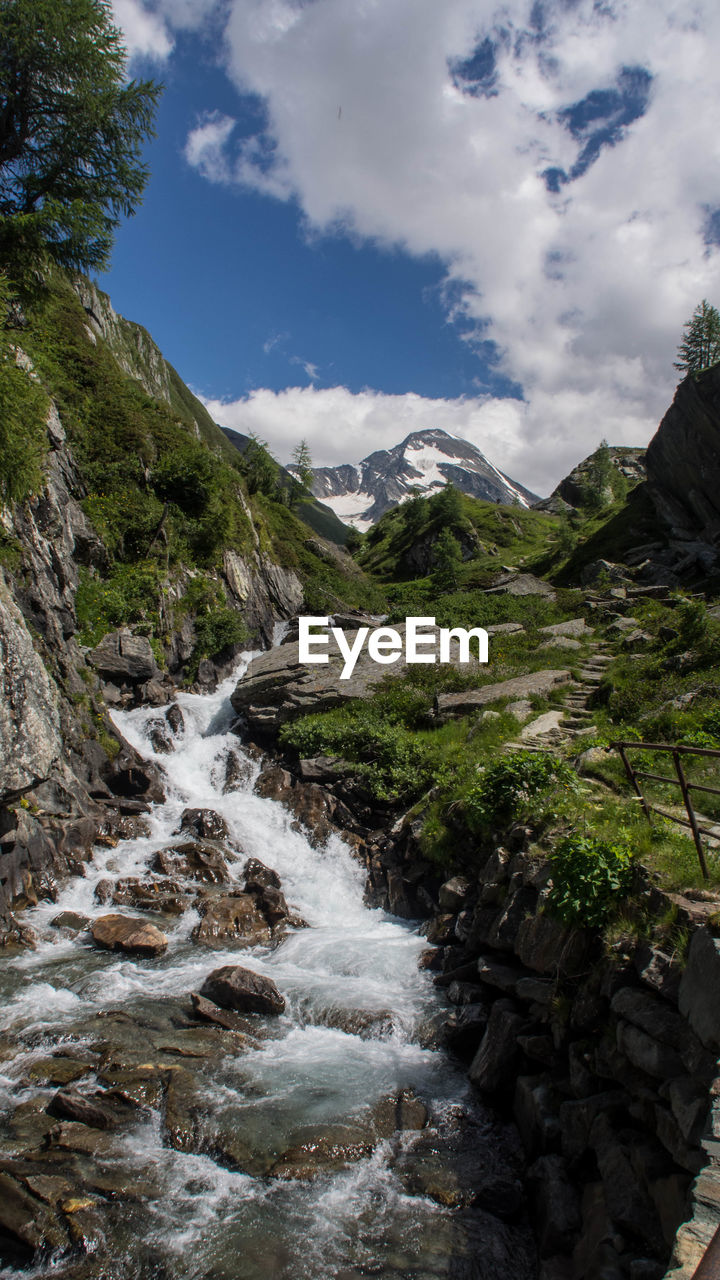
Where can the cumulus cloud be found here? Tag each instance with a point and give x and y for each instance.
(145, 32)
(342, 426)
(205, 146)
(561, 158)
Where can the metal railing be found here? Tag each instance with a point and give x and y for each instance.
(680, 780)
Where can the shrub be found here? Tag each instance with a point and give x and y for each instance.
(509, 784)
(590, 878)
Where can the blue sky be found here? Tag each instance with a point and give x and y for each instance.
(366, 218)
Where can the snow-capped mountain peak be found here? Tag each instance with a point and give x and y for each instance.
(423, 462)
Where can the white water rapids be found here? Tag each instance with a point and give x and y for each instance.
(187, 1216)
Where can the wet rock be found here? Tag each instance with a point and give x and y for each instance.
(232, 919)
(238, 770)
(274, 783)
(184, 1108)
(104, 890)
(233, 987)
(332, 1148)
(26, 1224)
(175, 718)
(204, 824)
(129, 776)
(73, 1136)
(95, 1112)
(257, 875)
(159, 736)
(58, 1071)
(209, 1012)
(194, 860)
(366, 1023)
(142, 1085)
(134, 937)
(399, 1113)
(165, 896)
(70, 920)
(154, 694)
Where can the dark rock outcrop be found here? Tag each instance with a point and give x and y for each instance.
(683, 467)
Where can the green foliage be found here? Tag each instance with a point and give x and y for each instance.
(72, 129)
(591, 877)
(447, 555)
(259, 467)
(700, 347)
(393, 762)
(506, 787)
(302, 464)
(127, 594)
(23, 413)
(184, 476)
(216, 631)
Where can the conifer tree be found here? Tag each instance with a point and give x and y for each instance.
(700, 348)
(72, 129)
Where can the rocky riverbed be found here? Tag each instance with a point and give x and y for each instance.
(217, 1063)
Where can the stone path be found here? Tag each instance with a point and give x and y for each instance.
(573, 719)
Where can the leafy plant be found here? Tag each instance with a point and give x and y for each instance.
(590, 878)
(508, 785)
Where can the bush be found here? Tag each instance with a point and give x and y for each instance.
(590, 878)
(23, 410)
(509, 784)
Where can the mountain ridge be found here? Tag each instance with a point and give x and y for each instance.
(424, 461)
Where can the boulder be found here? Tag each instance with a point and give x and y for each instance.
(545, 945)
(122, 933)
(538, 683)
(194, 860)
(233, 987)
(258, 876)
(233, 919)
(124, 658)
(206, 1011)
(454, 893)
(165, 895)
(204, 824)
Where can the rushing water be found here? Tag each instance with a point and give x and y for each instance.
(213, 1213)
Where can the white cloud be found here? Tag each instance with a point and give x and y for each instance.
(145, 32)
(205, 146)
(584, 291)
(341, 426)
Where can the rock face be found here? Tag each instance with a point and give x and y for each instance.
(683, 464)
(233, 987)
(30, 742)
(572, 491)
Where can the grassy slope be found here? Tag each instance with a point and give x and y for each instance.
(165, 502)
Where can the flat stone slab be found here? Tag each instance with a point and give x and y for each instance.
(448, 705)
(573, 627)
(546, 723)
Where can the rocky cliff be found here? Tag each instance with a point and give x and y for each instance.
(112, 597)
(683, 467)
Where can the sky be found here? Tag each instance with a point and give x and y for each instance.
(367, 217)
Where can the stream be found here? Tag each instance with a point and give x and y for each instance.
(280, 1163)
